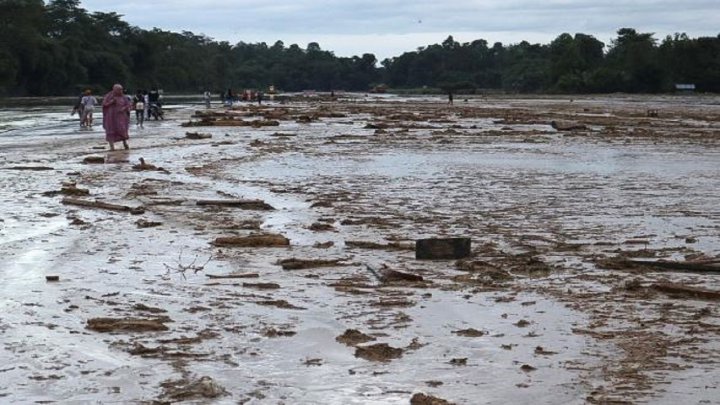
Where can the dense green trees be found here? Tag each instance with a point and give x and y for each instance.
(57, 48)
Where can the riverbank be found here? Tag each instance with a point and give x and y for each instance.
(548, 309)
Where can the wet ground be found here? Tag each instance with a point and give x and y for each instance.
(547, 309)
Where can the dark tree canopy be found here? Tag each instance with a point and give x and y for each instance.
(58, 48)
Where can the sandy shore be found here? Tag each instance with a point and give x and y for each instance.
(551, 307)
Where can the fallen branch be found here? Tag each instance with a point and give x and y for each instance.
(103, 205)
(244, 204)
(246, 275)
(679, 266)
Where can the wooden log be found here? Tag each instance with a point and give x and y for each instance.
(30, 168)
(102, 205)
(266, 240)
(677, 266)
(243, 204)
(221, 276)
(567, 126)
(442, 248)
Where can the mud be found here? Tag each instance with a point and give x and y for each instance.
(551, 307)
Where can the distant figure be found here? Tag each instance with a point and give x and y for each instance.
(78, 108)
(259, 97)
(146, 100)
(230, 98)
(116, 119)
(87, 104)
(450, 98)
(153, 98)
(139, 107)
(206, 98)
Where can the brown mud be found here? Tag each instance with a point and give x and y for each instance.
(594, 227)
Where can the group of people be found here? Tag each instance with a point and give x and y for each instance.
(116, 109)
(247, 95)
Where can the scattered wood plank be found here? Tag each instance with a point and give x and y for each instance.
(30, 168)
(567, 126)
(442, 248)
(678, 266)
(103, 205)
(261, 240)
(245, 275)
(243, 204)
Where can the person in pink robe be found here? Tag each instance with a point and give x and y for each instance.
(116, 116)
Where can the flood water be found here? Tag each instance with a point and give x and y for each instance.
(525, 191)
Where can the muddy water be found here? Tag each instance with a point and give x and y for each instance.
(516, 187)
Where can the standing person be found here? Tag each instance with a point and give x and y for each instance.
(450, 97)
(116, 119)
(78, 108)
(146, 100)
(139, 107)
(153, 98)
(206, 98)
(259, 97)
(88, 106)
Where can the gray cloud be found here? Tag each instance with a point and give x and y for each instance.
(389, 27)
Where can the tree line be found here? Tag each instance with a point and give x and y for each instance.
(59, 48)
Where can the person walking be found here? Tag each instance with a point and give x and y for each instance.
(139, 107)
(88, 103)
(116, 118)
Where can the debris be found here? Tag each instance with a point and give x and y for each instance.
(683, 291)
(299, 264)
(278, 303)
(259, 240)
(539, 350)
(374, 245)
(321, 227)
(243, 204)
(567, 126)
(459, 361)
(378, 352)
(424, 399)
(324, 245)
(127, 324)
(246, 275)
(527, 368)
(94, 160)
(442, 248)
(145, 308)
(30, 168)
(353, 337)
(52, 278)
(142, 223)
(469, 332)
(197, 135)
(185, 389)
(146, 166)
(272, 333)
(522, 323)
(389, 276)
(103, 205)
(262, 286)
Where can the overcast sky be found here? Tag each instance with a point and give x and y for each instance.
(390, 27)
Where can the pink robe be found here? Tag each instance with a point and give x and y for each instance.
(116, 120)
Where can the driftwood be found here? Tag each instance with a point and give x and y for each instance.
(246, 275)
(678, 266)
(682, 291)
(266, 240)
(243, 204)
(103, 205)
(567, 126)
(197, 135)
(31, 168)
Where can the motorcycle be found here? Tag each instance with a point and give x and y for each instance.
(156, 111)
